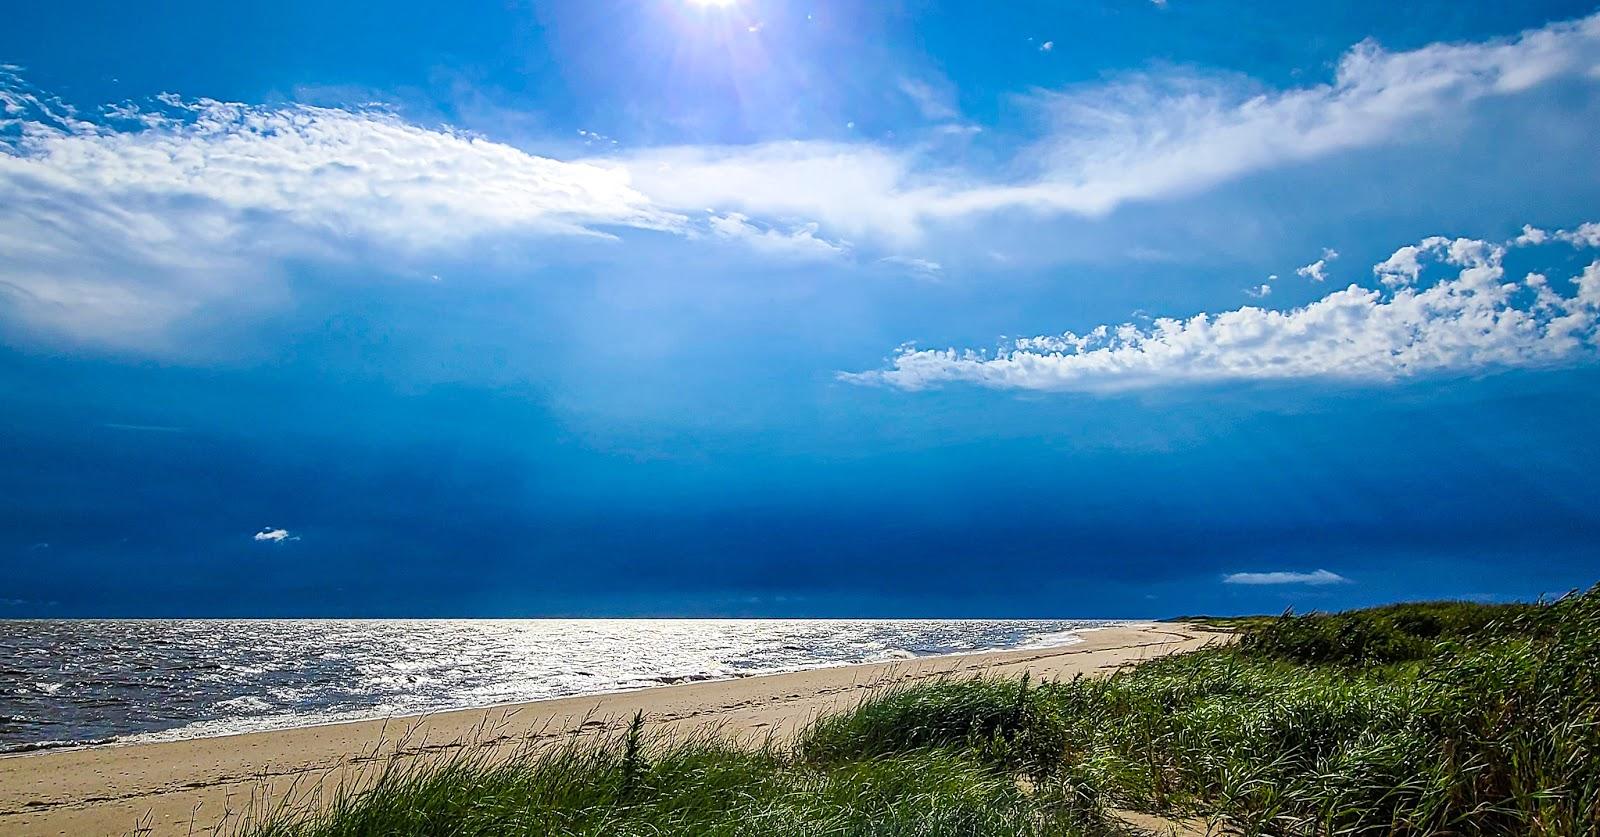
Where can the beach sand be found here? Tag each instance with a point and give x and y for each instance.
(183, 787)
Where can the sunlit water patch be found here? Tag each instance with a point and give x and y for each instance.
(65, 683)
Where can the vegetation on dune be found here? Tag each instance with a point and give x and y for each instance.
(1418, 719)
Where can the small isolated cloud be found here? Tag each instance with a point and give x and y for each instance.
(1317, 271)
(1259, 291)
(1047, 46)
(1471, 321)
(1316, 578)
(800, 243)
(271, 535)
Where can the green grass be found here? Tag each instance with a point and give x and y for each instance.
(1418, 719)
(636, 785)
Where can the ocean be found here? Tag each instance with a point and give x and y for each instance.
(76, 682)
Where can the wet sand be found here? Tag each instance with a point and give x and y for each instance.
(200, 785)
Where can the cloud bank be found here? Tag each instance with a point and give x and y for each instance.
(113, 226)
(1471, 321)
(116, 224)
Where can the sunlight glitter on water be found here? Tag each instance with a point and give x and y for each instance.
(94, 681)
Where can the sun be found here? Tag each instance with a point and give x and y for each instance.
(712, 3)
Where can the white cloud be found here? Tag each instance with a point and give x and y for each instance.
(1471, 321)
(1404, 266)
(1140, 137)
(1259, 291)
(1317, 578)
(1582, 236)
(1047, 46)
(271, 535)
(115, 225)
(855, 189)
(1531, 237)
(799, 243)
(1317, 271)
(1586, 235)
(111, 229)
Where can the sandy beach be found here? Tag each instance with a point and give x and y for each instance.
(192, 786)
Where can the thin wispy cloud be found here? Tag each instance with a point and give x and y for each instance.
(1142, 136)
(935, 102)
(1470, 320)
(271, 535)
(142, 428)
(1316, 578)
(801, 243)
(923, 268)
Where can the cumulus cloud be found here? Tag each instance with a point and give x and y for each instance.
(1531, 237)
(1259, 291)
(1317, 578)
(1585, 235)
(1473, 320)
(1317, 271)
(271, 535)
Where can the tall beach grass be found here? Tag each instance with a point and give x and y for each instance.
(1419, 719)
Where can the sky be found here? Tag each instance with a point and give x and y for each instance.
(796, 308)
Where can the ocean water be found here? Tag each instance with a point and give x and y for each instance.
(74, 682)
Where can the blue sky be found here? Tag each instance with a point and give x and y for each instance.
(787, 308)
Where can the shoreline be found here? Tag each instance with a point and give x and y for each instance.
(171, 786)
(310, 722)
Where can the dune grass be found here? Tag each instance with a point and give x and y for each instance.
(636, 784)
(1423, 719)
